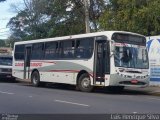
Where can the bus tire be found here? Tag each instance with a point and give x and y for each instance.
(84, 83)
(35, 79)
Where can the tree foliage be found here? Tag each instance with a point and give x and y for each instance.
(140, 16)
(29, 23)
(51, 18)
(2, 43)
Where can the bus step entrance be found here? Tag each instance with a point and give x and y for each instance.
(100, 81)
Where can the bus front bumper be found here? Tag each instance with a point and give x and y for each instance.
(117, 80)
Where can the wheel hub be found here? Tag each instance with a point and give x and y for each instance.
(35, 80)
(86, 83)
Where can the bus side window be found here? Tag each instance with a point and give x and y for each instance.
(37, 51)
(67, 49)
(19, 52)
(84, 48)
(79, 50)
(51, 50)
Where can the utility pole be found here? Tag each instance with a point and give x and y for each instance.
(86, 4)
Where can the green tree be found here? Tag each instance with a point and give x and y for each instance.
(141, 16)
(50, 18)
(2, 43)
(28, 23)
(67, 17)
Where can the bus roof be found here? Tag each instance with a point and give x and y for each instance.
(107, 33)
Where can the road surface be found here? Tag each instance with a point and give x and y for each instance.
(22, 98)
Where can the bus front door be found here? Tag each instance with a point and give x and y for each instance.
(27, 62)
(101, 64)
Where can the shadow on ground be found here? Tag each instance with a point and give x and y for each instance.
(96, 90)
(8, 80)
(66, 87)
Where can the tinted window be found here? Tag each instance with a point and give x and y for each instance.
(67, 49)
(51, 50)
(6, 61)
(37, 51)
(19, 52)
(128, 38)
(84, 47)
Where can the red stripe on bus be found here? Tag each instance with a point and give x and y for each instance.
(44, 61)
(63, 71)
(34, 63)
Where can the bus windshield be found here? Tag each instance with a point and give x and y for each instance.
(6, 61)
(131, 57)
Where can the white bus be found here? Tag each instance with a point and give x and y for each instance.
(110, 58)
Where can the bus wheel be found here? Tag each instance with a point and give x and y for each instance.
(84, 83)
(35, 79)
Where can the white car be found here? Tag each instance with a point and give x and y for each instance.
(6, 67)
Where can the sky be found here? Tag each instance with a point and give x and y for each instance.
(6, 12)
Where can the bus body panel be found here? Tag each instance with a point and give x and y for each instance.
(55, 70)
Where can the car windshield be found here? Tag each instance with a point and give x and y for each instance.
(131, 57)
(6, 61)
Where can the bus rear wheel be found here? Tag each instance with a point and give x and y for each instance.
(84, 83)
(35, 78)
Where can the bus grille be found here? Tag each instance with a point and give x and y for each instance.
(129, 83)
(6, 70)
